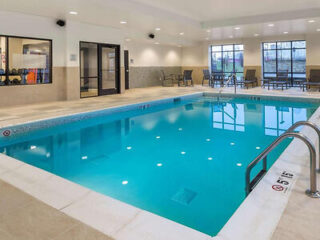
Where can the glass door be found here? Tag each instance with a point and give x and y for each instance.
(109, 78)
(88, 69)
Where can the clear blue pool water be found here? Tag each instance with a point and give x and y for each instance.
(184, 161)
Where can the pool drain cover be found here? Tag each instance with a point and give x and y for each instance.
(184, 196)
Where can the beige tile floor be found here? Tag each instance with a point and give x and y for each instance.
(24, 217)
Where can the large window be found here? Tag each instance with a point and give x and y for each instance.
(284, 56)
(25, 61)
(227, 59)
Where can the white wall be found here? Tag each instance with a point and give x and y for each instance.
(149, 55)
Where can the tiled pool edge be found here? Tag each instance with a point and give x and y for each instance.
(120, 220)
(259, 214)
(9, 129)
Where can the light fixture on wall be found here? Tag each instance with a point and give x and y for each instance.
(182, 33)
(158, 29)
(237, 28)
(73, 13)
(123, 22)
(311, 21)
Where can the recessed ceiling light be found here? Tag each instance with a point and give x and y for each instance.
(311, 21)
(156, 43)
(158, 29)
(183, 153)
(182, 33)
(239, 164)
(258, 148)
(256, 35)
(157, 137)
(180, 129)
(285, 32)
(84, 157)
(208, 139)
(271, 25)
(230, 36)
(208, 30)
(129, 148)
(232, 143)
(318, 30)
(159, 164)
(123, 22)
(209, 158)
(33, 147)
(237, 28)
(73, 13)
(124, 182)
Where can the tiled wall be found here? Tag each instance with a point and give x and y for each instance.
(149, 76)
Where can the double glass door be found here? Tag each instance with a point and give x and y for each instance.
(99, 69)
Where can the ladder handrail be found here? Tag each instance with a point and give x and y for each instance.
(262, 156)
(313, 126)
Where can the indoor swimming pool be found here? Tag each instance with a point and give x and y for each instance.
(184, 159)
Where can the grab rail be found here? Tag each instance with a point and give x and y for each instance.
(232, 76)
(263, 156)
(313, 126)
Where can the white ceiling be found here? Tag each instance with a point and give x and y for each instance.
(193, 18)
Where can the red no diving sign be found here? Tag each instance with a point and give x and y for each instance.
(277, 188)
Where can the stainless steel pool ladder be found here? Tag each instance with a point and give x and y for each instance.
(312, 192)
(232, 76)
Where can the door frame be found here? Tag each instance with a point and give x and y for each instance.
(126, 68)
(101, 91)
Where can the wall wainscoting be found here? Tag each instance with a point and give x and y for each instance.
(149, 76)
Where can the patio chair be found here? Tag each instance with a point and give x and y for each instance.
(187, 77)
(282, 80)
(206, 76)
(167, 80)
(314, 79)
(217, 77)
(249, 79)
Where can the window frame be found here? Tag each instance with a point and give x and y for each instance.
(7, 59)
(276, 49)
(222, 58)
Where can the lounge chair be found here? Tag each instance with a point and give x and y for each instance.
(282, 80)
(206, 76)
(314, 79)
(167, 80)
(217, 77)
(187, 77)
(249, 79)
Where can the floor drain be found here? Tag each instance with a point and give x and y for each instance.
(184, 196)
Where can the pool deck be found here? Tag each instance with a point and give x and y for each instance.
(23, 216)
